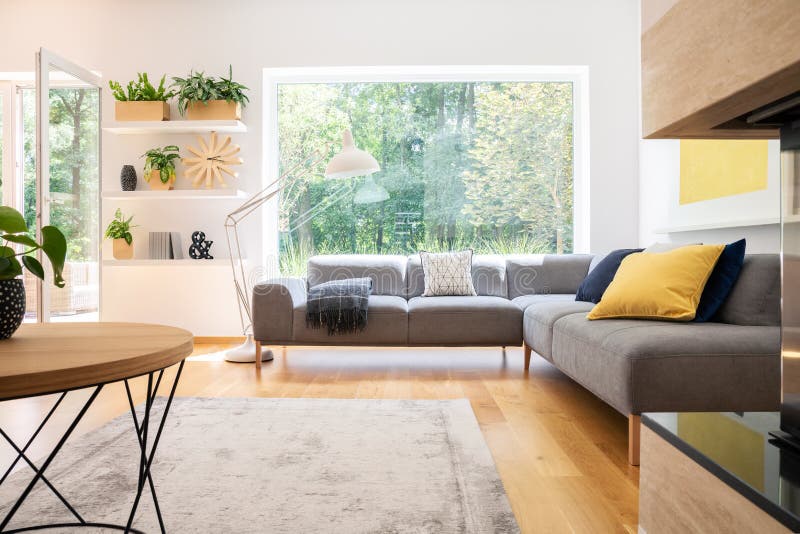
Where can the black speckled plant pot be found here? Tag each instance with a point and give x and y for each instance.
(127, 178)
(12, 306)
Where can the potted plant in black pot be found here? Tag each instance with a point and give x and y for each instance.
(12, 290)
(202, 97)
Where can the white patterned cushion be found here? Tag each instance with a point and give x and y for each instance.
(447, 273)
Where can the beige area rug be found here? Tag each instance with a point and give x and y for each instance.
(286, 465)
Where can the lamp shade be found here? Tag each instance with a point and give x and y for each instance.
(351, 161)
(370, 192)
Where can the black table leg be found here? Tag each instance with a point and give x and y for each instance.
(145, 457)
(147, 460)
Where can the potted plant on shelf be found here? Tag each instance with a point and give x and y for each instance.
(141, 101)
(159, 167)
(119, 230)
(12, 289)
(202, 97)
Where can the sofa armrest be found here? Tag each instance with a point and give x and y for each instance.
(274, 302)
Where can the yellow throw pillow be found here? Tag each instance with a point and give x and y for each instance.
(664, 285)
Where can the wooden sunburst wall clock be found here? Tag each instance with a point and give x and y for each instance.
(211, 161)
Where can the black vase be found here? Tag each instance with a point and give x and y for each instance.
(127, 178)
(12, 306)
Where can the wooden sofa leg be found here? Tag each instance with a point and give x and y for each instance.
(258, 355)
(527, 356)
(634, 430)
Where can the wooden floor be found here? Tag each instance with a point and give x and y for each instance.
(561, 453)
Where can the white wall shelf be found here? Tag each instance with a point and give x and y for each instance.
(174, 127)
(177, 194)
(182, 264)
(727, 224)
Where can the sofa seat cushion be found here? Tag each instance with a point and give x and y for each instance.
(641, 366)
(387, 324)
(526, 300)
(479, 320)
(539, 318)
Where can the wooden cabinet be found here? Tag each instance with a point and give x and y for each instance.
(706, 63)
(677, 495)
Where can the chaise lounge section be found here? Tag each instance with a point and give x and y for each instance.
(636, 366)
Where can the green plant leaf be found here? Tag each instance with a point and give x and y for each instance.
(33, 265)
(54, 244)
(23, 239)
(128, 238)
(11, 221)
(9, 267)
(119, 226)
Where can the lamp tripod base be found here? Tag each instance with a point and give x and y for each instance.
(246, 352)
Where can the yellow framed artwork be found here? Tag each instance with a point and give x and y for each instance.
(711, 169)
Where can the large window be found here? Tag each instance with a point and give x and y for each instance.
(481, 165)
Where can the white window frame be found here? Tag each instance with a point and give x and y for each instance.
(577, 75)
(8, 90)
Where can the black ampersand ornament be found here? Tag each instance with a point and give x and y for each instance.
(199, 248)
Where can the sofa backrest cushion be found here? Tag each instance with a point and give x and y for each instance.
(596, 261)
(388, 273)
(488, 276)
(546, 273)
(755, 299)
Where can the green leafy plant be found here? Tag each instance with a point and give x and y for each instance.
(232, 91)
(197, 87)
(14, 230)
(141, 90)
(120, 227)
(163, 160)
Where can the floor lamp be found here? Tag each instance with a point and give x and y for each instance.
(349, 162)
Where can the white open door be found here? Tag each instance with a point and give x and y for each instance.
(68, 185)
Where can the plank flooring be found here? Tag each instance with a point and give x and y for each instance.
(561, 453)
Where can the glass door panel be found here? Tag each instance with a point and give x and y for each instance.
(68, 185)
(27, 175)
(3, 128)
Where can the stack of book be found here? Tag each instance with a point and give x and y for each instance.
(165, 246)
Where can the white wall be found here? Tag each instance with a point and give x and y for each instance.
(122, 37)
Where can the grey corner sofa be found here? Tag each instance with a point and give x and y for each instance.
(732, 364)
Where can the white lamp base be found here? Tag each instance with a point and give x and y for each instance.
(246, 352)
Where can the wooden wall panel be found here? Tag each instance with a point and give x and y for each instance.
(706, 62)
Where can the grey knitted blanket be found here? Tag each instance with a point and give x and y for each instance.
(340, 305)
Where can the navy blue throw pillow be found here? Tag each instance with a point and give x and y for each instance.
(721, 281)
(596, 282)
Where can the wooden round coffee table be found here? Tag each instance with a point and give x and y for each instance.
(50, 358)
